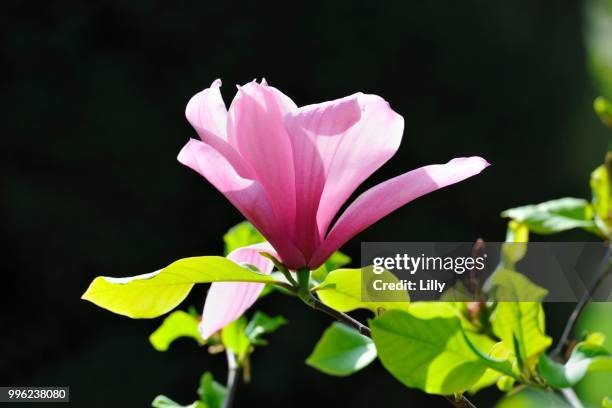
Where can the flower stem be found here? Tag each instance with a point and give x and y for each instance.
(303, 276)
(233, 375)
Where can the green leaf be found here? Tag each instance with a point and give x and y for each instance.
(585, 357)
(241, 235)
(554, 216)
(161, 401)
(515, 247)
(606, 402)
(505, 383)
(234, 337)
(520, 325)
(429, 310)
(341, 290)
(499, 352)
(507, 285)
(260, 324)
(177, 324)
(603, 108)
(341, 351)
(153, 294)
(337, 260)
(527, 397)
(212, 394)
(601, 189)
(430, 354)
(502, 365)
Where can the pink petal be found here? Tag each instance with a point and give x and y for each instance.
(315, 131)
(227, 301)
(207, 114)
(256, 129)
(338, 145)
(245, 194)
(388, 196)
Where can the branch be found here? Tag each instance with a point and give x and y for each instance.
(568, 331)
(233, 373)
(343, 317)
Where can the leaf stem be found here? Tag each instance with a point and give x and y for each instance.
(568, 331)
(233, 375)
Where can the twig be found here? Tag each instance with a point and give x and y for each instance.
(568, 331)
(233, 375)
(343, 317)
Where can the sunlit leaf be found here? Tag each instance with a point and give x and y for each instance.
(177, 324)
(430, 354)
(507, 285)
(603, 108)
(429, 310)
(241, 235)
(341, 351)
(341, 290)
(337, 260)
(554, 216)
(515, 247)
(153, 294)
(520, 325)
(601, 186)
(212, 394)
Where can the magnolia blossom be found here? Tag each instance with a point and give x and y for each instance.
(289, 170)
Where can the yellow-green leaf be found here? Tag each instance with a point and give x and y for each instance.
(601, 188)
(153, 294)
(177, 324)
(342, 291)
(553, 216)
(430, 354)
(520, 325)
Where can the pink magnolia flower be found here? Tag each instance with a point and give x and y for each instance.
(289, 170)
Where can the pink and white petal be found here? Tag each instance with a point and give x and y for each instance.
(256, 130)
(207, 113)
(315, 131)
(348, 140)
(388, 196)
(245, 194)
(227, 301)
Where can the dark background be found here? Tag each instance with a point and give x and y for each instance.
(93, 103)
